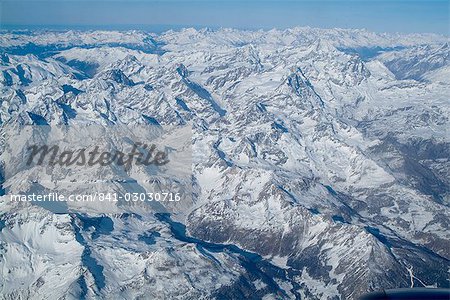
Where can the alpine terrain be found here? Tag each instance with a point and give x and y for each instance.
(320, 164)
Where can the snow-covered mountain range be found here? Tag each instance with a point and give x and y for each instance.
(320, 163)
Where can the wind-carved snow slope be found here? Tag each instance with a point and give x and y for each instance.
(320, 163)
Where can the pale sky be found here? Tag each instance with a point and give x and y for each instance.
(375, 15)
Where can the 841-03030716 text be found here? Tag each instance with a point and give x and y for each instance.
(102, 197)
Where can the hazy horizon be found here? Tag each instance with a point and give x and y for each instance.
(373, 15)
